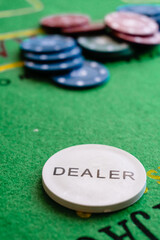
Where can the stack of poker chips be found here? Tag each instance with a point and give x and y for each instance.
(104, 47)
(72, 24)
(51, 54)
(134, 28)
(125, 33)
(60, 58)
(149, 10)
(119, 35)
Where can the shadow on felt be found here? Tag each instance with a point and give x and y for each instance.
(37, 76)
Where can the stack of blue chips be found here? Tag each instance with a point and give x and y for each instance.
(152, 11)
(61, 58)
(51, 54)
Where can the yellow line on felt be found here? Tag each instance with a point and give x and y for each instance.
(11, 65)
(22, 33)
(36, 6)
(146, 190)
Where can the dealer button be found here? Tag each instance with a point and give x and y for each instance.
(94, 178)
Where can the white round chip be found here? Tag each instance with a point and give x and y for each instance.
(94, 178)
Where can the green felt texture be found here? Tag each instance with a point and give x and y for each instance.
(123, 113)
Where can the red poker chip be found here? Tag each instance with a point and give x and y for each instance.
(64, 21)
(85, 29)
(151, 40)
(131, 23)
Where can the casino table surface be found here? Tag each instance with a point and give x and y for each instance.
(38, 118)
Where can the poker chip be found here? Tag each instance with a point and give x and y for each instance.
(131, 23)
(55, 67)
(151, 40)
(94, 178)
(91, 74)
(85, 29)
(157, 19)
(104, 44)
(64, 21)
(48, 44)
(60, 56)
(145, 9)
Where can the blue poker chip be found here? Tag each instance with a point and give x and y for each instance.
(145, 9)
(157, 19)
(48, 44)
(54, 57)
(55, 67)
(90, 74)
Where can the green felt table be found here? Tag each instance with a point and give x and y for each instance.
(37, 119)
